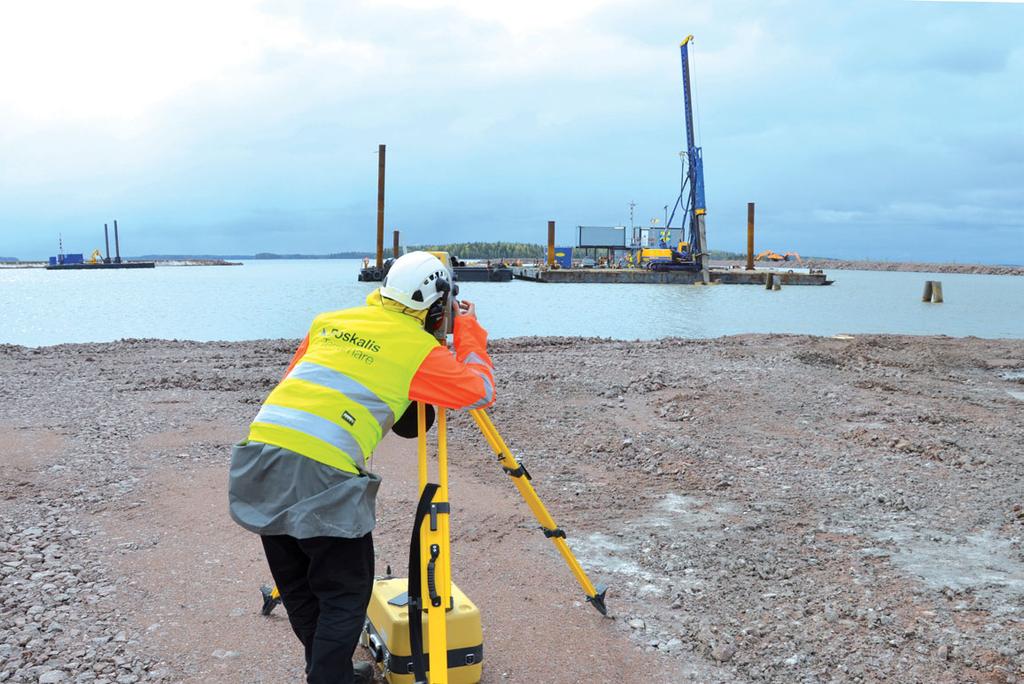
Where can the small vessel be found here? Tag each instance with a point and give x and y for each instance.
(96, 261)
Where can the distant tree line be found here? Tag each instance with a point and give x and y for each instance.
(333, 255)
(726, 256)
(487, 250)
(463, 250)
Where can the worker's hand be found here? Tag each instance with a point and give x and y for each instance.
(465, 308)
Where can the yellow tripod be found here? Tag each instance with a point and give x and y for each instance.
(435, 547)
(521, 477)
(435, 558)
(435, 537)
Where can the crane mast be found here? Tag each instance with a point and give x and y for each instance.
(694, 171)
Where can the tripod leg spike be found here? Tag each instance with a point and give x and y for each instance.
(597, 600)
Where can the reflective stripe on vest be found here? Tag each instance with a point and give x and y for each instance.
(343, 396)
(310, 424)
(339, 382)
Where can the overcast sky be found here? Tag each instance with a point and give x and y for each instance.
(891, 130)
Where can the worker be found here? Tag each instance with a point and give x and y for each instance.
(301, 479)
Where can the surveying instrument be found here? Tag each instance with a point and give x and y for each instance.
(422, 629)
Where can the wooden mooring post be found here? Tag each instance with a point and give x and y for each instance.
(750, 236)
(551, 244)
(381, 153)
(932, 292)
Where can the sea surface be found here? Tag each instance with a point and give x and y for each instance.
(273, 299)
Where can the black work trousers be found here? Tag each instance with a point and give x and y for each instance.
(325, 585)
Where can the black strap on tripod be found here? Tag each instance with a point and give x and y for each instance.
(414, 589)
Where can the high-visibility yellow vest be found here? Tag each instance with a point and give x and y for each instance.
(348, 389)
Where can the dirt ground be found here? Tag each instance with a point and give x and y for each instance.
(764, 508)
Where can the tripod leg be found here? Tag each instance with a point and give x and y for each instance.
(521, 478)
(438, 570)
(421, 442)
(434, 561)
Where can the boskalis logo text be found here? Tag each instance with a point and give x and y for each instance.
(350, 337)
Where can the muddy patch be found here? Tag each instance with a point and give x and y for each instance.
(985, 565)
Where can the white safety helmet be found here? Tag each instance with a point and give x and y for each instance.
(416, 280)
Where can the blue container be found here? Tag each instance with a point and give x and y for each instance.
(74, 258)
(53, 261)
(563, 257)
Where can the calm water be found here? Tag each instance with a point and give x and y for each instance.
(265, 299)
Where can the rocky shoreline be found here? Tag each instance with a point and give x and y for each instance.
(765, 508)
(159, 262)
(860, 265)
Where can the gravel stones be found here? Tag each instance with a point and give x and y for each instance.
(723, 651)
(765, 508)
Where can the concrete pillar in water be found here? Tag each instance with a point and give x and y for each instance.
(932, 292)
(750, 236)
(768, 278)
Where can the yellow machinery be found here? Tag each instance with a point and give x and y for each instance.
(96, 257)
(647, 254)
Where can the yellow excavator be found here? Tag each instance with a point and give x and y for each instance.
(96, 257)
(775, 256)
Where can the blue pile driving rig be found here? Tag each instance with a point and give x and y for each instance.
(692, 254)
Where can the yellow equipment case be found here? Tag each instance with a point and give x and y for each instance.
(386, 634)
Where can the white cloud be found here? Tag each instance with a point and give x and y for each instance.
(203, 111)
(121, 58)
(521, 18)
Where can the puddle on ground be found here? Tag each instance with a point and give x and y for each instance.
(611, 555)
(689, 510)
(984, 563)
(674, 518)
(1013, 375)
(681, 510)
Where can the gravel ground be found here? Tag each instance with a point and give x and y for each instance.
(765, 508)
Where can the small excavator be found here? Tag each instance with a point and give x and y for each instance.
(769, 255)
